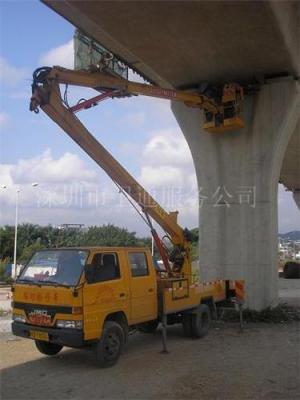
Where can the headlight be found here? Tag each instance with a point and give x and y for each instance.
(18, 318)
(61, 323)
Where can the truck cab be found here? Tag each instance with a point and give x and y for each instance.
(76, 297)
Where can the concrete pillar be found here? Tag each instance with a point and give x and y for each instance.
(238, 175)
(296, 196)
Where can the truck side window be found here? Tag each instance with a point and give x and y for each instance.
(138, 264)
(106, 267)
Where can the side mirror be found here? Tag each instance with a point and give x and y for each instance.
(89, 272)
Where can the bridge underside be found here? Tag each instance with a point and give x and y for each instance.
(183, 43)
(205, 41)
(194, 41)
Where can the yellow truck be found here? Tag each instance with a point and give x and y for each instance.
(79, 297)
(83, 297)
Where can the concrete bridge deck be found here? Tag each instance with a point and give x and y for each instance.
(186, 42)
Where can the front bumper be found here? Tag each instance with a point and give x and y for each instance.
(64, 337)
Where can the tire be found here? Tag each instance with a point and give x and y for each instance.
(148, 327)
(50, 349)
(291, 270)
(110, 345)
(187, 325)
(201, 321)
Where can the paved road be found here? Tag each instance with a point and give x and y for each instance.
(261, 363)
(289, 291)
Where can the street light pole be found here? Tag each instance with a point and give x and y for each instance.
(16, 233)
(14, 272)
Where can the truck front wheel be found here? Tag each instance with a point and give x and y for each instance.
(110, 345)
(50, 349)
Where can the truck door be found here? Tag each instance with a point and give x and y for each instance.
(143, 304)
(107, 292)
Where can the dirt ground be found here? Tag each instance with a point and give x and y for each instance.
(261, 363)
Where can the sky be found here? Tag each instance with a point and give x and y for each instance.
(140, 132)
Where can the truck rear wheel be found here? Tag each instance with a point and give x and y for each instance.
(200, 321)
(110, 345)
(50, 349)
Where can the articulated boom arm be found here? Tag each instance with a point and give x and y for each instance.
(47, 95)
(222, 110)
(221, 113)
(103, 81)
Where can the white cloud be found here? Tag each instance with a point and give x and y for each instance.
(136, 119)
(68, 191)
(167, 161)
(4, 118)
(167, 147)
(62, 55)
(130, 149)
(161, 176)
(5, 175)
(55, 178)
(44, 168)
(167, 172)
(9, 74)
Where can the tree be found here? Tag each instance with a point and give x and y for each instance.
(34, 237)
(7, 242)
(29, 251)
(109, 235)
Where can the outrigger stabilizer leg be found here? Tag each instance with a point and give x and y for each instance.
(164, 334)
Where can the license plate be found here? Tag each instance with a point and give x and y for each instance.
(37, 335)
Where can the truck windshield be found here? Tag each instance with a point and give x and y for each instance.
(61, 267)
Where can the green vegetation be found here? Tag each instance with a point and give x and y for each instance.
(34, 237)
(3, 277)
(194, 242)
(274, 315)
(3, 312)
